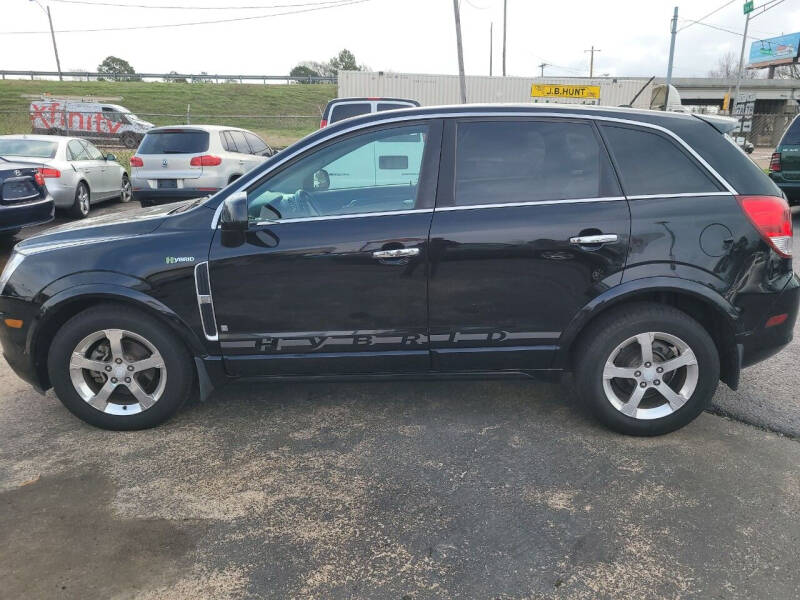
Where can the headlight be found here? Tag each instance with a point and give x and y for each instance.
(13, 262)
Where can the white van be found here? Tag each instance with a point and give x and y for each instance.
(88, 119)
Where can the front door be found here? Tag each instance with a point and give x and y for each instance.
(530, 225)
(331, 275)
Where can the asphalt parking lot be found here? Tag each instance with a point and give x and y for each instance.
(402, 490)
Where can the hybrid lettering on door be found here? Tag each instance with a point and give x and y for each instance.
(271, 344)
(577, 92)
(54, 116)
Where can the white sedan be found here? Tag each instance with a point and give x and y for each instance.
(77, 174)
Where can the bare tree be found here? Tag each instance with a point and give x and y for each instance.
(728, 68)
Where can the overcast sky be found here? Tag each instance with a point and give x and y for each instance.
(398, 35)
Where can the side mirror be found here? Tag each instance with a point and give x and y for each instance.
(234, 212)
(111, 158)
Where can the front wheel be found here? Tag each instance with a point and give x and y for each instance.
(647, 369)
(118, 368)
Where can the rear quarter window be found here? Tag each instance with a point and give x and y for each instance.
(649, 164)
(174, 142)
(792, 135)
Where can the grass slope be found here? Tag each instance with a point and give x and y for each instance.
(264, 107)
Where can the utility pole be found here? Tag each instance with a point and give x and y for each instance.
(53, 36)
(673, 31)
(741, 61)
(491, 47)
(542, 66)
(505, 27)
(461, 79)
(591, 52)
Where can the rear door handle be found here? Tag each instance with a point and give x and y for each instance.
(585, 240)
(397, 253)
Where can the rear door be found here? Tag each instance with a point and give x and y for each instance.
(244, 155)
(105, 175)
(789, 147)
(78, 156)
(167, 155)
(530, 225)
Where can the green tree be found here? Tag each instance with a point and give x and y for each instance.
(173, 78)
(117, 69)
(344, 61)
(303, 71)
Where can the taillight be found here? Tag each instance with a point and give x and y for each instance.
(136, 161)
(49, 173)
(206, 160)
(323, 123)
(38, 177)
(775, 162)
(772, 218)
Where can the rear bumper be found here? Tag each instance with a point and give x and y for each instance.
(13, 217)
(764, 341)
(790, 188)
(153, 197)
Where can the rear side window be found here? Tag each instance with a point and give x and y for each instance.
(174, 142)
(76, 151)
(351, 109)
(650, 164)
(792, 135)
(391, 105)
(257, 145)
(237, 138)
(527, 161)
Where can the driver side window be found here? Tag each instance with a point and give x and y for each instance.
(370, 172)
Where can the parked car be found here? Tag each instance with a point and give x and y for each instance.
(186, 161)
(24, 200)
(345, 108)
(641, 250)
(77, 173)
(784, 165)
(88, 119)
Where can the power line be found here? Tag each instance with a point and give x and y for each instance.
(699, 21)
(731, 31)
(341, 3)
(187, 7)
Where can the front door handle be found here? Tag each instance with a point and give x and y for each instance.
(585, 240)
(397, 253)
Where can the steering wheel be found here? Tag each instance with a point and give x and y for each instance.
(303, 198)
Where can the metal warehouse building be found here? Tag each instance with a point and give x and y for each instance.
(444, 89)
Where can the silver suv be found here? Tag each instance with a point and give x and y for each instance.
(186, 161)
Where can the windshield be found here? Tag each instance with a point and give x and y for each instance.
(34, 148)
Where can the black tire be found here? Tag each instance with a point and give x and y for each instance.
(179, 373)
(601, 340)
(81, 206)
(125, 191)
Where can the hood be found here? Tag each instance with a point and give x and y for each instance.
(102, 228)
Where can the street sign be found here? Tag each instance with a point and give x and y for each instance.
(748, 6)
(576, 92)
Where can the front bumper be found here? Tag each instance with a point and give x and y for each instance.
(15, 343)
(17, 216)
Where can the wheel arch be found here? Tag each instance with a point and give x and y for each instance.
(65, 305)
(707, 307)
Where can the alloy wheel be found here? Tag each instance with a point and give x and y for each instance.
(117, 372)
(83, 200)
(650, 375)
(125, 190)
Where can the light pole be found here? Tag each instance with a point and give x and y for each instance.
(461, 79)
(53, 36)
(673, 33)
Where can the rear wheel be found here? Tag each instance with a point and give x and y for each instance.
(82, 204)
(118, 368)
(647, 369)
(125, 192)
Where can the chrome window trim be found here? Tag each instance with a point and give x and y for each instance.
(348, 216)
(682, 195)
(205, 299)
(531, 203)
(483, 113)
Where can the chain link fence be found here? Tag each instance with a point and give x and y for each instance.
(109, 129)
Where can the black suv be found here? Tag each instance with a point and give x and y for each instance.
(641, 250)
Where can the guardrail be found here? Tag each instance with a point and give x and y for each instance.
(193, 77)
